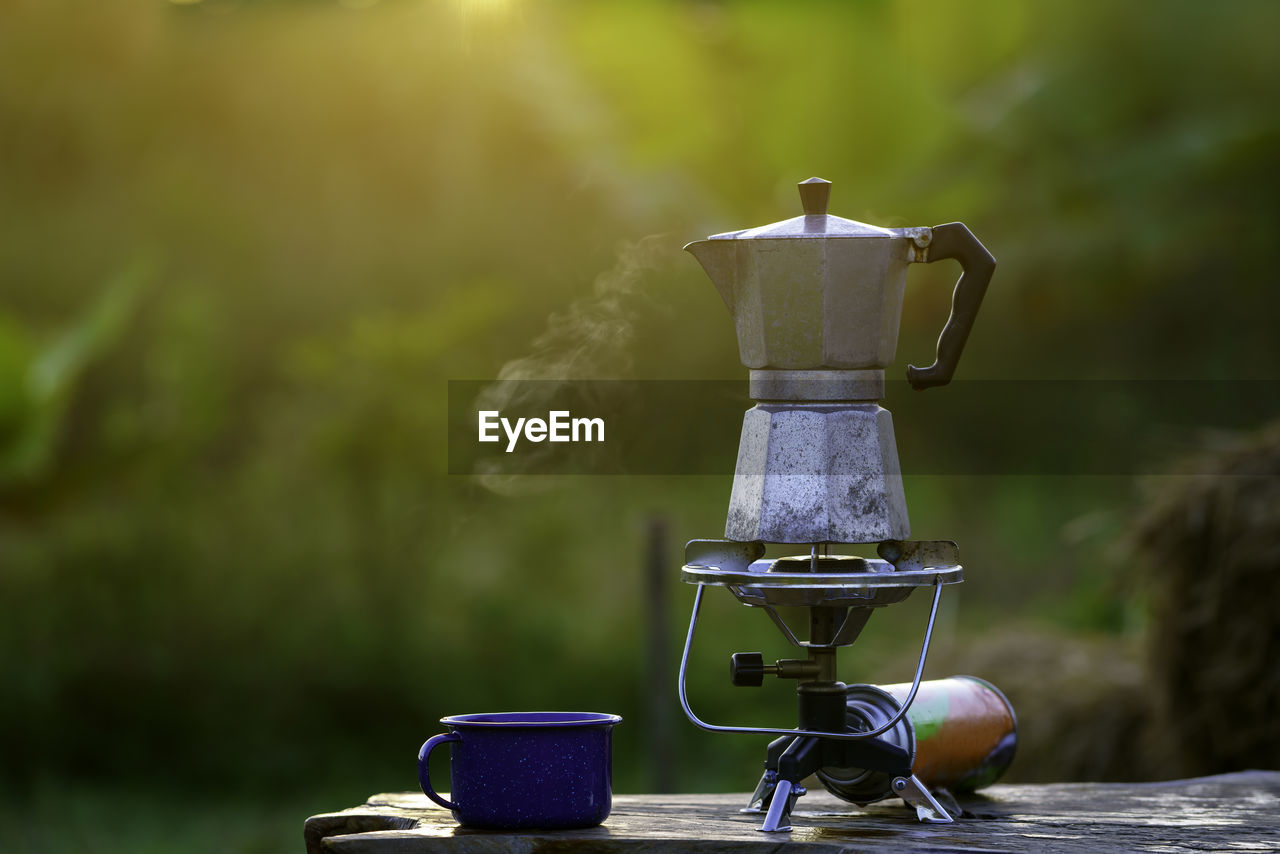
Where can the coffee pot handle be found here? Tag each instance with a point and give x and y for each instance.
(954, 240)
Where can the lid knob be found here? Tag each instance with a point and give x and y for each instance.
(814, 195)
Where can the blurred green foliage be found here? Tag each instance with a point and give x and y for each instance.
(243, 246)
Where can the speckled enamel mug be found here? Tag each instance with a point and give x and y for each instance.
(524, 770)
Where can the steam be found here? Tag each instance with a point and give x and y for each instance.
(591, 340)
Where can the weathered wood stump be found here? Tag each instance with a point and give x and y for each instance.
(1239, 812)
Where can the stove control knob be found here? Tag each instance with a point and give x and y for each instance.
(746, 669)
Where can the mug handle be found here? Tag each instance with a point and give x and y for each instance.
(424, 773)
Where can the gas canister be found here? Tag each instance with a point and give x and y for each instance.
(961, 733)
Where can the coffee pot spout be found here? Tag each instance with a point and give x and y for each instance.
(717, 257)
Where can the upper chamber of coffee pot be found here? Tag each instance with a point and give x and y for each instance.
(821, 292)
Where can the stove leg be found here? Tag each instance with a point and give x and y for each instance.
(761, 797)
(779, 816)
(763, 793)
(801, 758)
(911, 790)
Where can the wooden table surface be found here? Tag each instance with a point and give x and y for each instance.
(1230, 812)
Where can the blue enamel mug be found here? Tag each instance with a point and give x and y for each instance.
(524, 770)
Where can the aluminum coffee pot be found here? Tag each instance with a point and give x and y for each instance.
(816, 300)
(822, 293)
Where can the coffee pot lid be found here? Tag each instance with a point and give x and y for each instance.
(816, 222)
